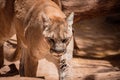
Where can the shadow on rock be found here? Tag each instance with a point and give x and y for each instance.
(89, 77)
(12, 72)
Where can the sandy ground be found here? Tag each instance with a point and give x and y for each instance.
(98, 42)
(83, 69)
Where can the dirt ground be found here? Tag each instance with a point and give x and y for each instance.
(97, 59)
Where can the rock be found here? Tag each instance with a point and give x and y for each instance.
(86, 9)
(97, 38)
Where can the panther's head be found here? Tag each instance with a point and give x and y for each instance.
(58, 33)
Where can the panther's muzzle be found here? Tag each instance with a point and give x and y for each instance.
(57, 52)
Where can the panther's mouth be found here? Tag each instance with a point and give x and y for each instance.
(57, 53)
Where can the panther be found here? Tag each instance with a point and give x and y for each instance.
(43, 31)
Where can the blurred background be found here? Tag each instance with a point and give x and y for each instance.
(97, 35)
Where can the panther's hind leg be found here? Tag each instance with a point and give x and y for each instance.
(1, 56)
(21, 68)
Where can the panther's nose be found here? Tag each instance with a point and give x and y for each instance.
(60, 51)
(59, 48)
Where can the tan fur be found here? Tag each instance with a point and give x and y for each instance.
(35, 24)
(6, 26)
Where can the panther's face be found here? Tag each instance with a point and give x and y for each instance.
(58, 34)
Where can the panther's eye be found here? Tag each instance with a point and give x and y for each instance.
(64, 40)
(51, 40)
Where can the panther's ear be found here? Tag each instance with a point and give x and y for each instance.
(46, 20)
(70, 19)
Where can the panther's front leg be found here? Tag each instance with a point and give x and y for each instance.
(30, 66)
(65, 70)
